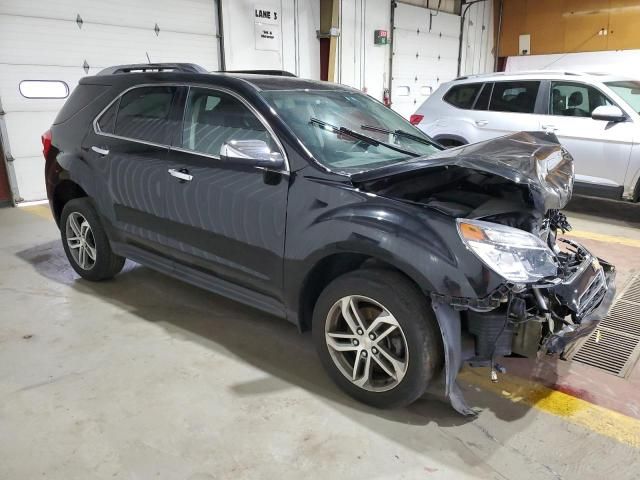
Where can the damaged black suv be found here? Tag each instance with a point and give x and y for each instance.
(313, 202)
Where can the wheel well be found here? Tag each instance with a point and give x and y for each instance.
(450, 140)
(327, 270)
(65, 191)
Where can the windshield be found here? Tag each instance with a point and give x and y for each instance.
(382, 137)
(629, 91)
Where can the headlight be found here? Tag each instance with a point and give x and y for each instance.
(514, 254)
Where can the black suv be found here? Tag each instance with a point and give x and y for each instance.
(313, 202)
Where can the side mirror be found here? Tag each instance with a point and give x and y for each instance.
(608, 113)
(251, 152)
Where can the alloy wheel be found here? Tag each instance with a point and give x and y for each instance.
(366, 343)
(80, 240)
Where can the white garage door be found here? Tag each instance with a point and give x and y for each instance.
(425, 54)
(68, 39)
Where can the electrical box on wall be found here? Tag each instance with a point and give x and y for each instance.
(380, 37)
(524, 44)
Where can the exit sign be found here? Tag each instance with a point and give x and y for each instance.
(380, 37)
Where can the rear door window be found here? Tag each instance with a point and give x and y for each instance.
(463, 96)
(143, 114)
(213, 118)
(517, 97)
(482, 102)
(571, 99)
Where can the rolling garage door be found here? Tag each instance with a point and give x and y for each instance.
(425, 54)
(64, 40)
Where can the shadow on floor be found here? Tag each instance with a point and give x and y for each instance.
(611, 211)
(268, 343)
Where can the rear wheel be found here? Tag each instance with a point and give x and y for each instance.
(377, 337)
(450, 143)
(85, 242)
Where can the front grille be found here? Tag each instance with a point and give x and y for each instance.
(593, 295)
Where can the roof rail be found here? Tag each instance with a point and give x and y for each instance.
(153, 67)
(279, 73)
(522, 72)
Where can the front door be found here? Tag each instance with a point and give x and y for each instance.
(223, 217)
(600, 149)
(128, 157)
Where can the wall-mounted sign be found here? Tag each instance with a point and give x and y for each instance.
(267, 28)
(267, 15)
(380, 37)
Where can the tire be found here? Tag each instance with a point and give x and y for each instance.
(79, 215)
(449, 143)
(373, 291)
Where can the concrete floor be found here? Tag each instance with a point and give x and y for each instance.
(145, 377)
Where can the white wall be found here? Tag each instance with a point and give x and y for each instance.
(478, 39)
(622, 62)
(361, 64)
(297, 49)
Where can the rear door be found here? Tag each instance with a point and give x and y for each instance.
(128, 154)
(600, 149)
(224, 217)
(511, 106)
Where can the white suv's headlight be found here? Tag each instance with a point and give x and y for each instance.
(514, 254)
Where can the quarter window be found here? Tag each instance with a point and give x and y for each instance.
(213, 118)
(143, 114)
(517, 97)
(463, 96)
(571, 99)
(107, 120)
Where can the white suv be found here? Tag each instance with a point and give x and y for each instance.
(595, 117)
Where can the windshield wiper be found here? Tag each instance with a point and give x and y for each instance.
(360, 136)
(402, 133)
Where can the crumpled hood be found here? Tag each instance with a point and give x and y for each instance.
(535, 159)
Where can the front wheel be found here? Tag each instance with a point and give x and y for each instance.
(377, 337)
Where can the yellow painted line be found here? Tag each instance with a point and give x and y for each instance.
(42, 211)
(575, 410)
(601, 237)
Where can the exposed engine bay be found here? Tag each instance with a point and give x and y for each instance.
(506, 197)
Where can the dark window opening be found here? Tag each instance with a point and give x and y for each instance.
(575, 99)
(463, 96)
(144, 114)
(213, 118)
(482, 102)
(517, 97)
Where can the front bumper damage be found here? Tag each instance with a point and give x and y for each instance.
(570, 308)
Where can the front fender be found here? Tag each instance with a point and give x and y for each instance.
(327, 218)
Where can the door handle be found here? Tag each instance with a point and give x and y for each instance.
(182, 174)
(100, 151)
(482, 123)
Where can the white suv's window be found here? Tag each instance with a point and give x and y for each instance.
(517, 97)
(629, 90)
(571, 99)
(463, 96)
